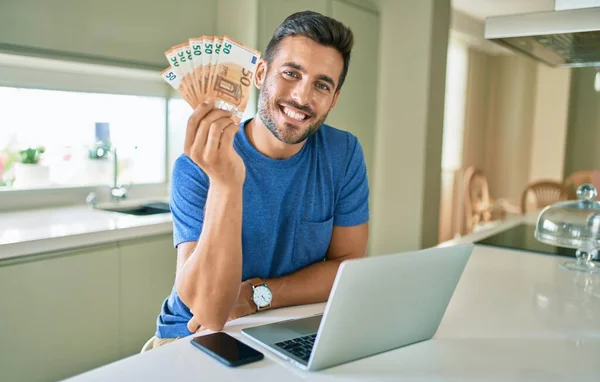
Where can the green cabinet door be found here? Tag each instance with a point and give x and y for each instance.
(59, 314)
(147, 276)
(356, 108)
(135, 30)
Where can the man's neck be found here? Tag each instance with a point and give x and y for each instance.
(266, 143)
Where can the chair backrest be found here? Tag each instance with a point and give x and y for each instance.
(578, 178)
(542, 193)
(477, 200)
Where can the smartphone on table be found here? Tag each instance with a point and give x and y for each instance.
(227, 349)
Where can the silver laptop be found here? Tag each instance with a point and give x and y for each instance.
(376, 304)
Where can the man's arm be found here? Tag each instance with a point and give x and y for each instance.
(311, 284)
(209, 271)
(301, 287)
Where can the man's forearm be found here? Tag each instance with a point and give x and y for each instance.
(313, 283)
(209, 281)
(301, 287)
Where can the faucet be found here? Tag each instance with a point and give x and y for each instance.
(117, 191)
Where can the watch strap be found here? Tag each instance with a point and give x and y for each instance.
(256, 282)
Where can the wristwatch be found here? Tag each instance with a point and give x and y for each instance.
(261, 294)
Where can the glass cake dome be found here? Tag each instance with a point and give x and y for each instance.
(574, 224)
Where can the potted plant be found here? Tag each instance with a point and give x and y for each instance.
(29, 172)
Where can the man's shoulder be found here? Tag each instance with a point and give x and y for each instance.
(334, 140)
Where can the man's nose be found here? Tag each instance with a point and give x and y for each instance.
(302, 93)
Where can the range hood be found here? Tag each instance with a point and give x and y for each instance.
(569, 36)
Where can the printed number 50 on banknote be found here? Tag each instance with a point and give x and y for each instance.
(234, 76)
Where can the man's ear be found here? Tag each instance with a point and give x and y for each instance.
(335, 98)
(261, 73)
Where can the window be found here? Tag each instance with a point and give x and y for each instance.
(454, 105)
(452, 144)
(78, 132)
(73, 109)
(179, 112)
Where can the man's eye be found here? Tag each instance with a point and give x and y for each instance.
(290, 74)
(322, 86)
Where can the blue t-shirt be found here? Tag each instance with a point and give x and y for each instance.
(289, 210)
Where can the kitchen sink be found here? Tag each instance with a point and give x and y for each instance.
(142, 209)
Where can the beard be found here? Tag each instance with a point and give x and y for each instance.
(268, 107)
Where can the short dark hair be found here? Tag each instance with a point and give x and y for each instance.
(319, 28)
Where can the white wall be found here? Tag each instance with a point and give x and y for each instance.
(550, 123)
(471, 32)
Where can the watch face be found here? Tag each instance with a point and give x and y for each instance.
(262, 296)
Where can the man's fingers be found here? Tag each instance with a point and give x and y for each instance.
(228, 135)
(193, 325)
(216, 129)
(203, 130)
(194, 122)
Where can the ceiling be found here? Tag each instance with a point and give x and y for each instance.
(480, 9)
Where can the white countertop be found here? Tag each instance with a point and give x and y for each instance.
(514, 316)
(38, 231)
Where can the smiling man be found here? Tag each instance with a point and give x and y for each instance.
(264, 213)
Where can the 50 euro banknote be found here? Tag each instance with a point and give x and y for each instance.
(233, 78)
(213, 67)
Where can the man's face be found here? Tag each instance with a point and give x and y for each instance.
(298, 88)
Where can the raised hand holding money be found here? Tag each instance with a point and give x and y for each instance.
(209, 144)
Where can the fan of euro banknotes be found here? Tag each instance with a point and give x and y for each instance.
(213, 67)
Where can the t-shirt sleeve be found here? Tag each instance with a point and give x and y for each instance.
(352, 207)
(189, 188)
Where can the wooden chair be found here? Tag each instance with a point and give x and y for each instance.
(479, 206)
(542, 193)
(578, 178)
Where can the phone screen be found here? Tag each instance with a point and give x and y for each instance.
(227, 349)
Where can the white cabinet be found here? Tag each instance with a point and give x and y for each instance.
(133, 30)
(59, 314)
(147, 276)
(68, 312)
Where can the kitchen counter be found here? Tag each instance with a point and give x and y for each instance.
(493, 228)
(514, 316)
(38, 231)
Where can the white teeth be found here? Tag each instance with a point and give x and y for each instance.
(292, 114)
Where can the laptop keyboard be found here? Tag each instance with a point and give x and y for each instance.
(301, 347)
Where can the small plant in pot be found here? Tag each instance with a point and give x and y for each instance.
(28, 171)
(31, 155)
